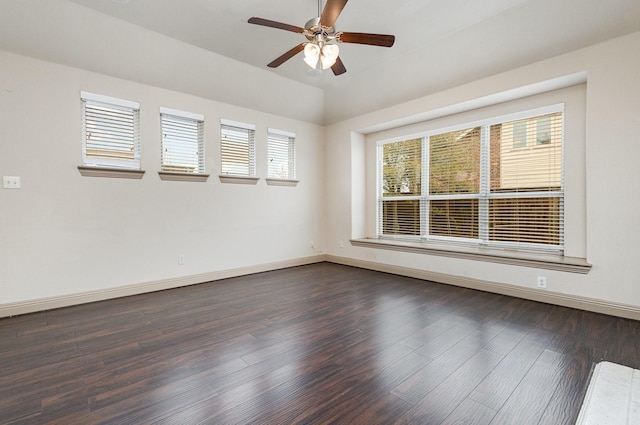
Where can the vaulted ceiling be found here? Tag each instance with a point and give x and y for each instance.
(439, 43)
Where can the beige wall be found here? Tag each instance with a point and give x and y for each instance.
(63, 233)
(605, 193)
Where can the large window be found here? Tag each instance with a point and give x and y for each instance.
(497, 183)
(111, 132)
(281, 154)
(237, 149)
(182, 141)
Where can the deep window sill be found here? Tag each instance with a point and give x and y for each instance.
(118, 173)
(182, 177)
(227, 178)
(529, 259)
(282, 182)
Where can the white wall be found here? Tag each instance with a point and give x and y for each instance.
(67, 33)
(611, 152)
(67, 234)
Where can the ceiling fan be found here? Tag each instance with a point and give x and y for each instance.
(320, 50)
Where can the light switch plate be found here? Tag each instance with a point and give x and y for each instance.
(11, 182)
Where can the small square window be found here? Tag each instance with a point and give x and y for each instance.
(111, 132)
(237, 149)
(182, 141)
(281, 154)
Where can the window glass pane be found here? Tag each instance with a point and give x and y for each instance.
(182, 144)
(454, 218)
(401, 217)
(281, 155)
(519, 134)
(538, 168)
(543, 130)
(237, 151)
(454, 162)
(111, 134)
(527, 220)
(402, 164)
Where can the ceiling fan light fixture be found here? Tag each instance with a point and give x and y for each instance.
(329, 55)
(312, 54)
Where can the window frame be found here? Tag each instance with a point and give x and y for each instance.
(191, 119)
(289, 138)
(103, 163)
(484, 194)
(227, 176)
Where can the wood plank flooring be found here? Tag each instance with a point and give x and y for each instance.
(318, 344)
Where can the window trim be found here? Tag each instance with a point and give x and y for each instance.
(456, 245)
(536, 260)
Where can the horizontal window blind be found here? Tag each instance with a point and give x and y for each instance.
(401, 217)
(182, 144)
(111, 135)
(454, 218)
(237, 150)
(281, 154)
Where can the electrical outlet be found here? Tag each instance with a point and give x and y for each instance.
(181, 260)
(341, 244)
(542, 282)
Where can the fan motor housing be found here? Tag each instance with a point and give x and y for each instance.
(313, 28)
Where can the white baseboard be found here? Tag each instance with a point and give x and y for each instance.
(582, 303)
(549, 297)
(31, 306)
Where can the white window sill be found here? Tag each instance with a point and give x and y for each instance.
(281, 182)
(227, 178)
(118, 173)
(514, 258)
(182, 177)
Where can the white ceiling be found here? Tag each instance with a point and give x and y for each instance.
(439, 43)
(517, 29)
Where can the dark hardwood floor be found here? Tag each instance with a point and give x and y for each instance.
(318, 344)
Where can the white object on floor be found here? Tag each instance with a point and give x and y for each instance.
(613, 396)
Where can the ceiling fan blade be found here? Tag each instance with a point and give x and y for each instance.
(286, 56)
(383, 40)
(331, 12)
(338, 67)
(274, 24)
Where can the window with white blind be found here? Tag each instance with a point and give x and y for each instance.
(495, 183)
(237, 149)
(111, 132)
(281, 154)
(182, 141)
